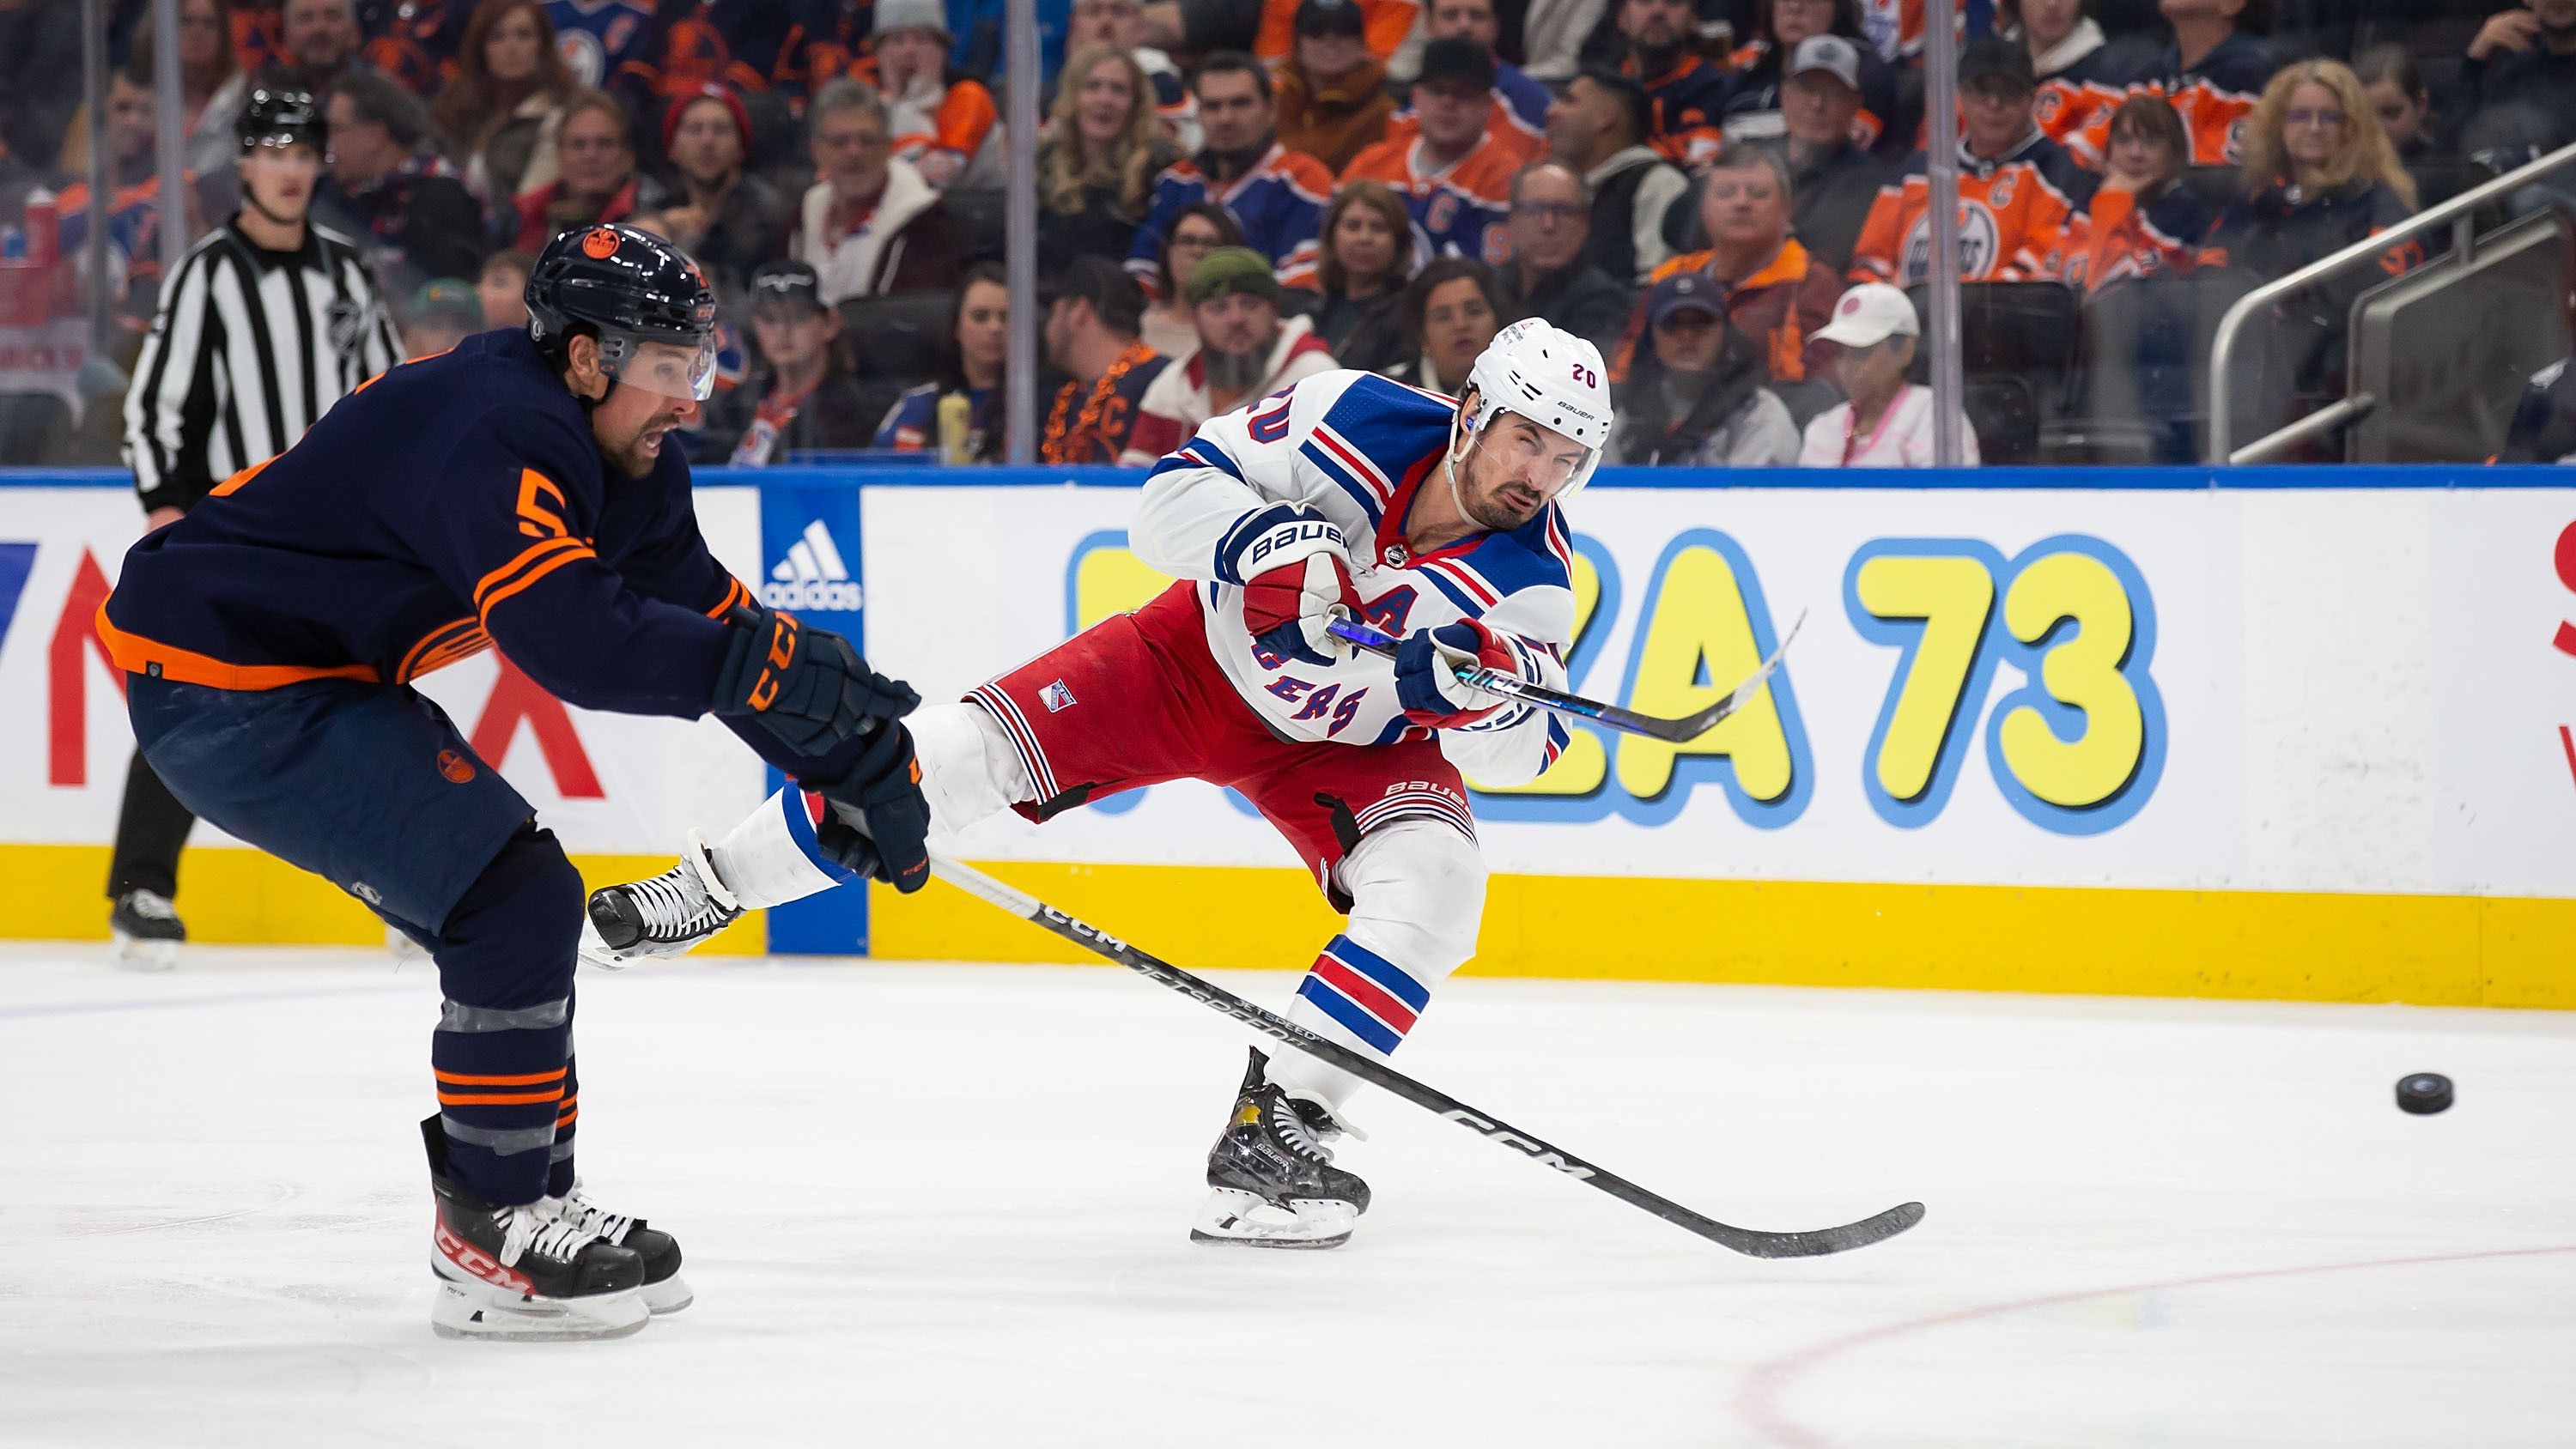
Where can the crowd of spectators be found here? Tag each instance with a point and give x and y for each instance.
(1724, 194)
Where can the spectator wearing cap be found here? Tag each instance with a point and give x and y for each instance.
(500, 113)
(1685, 92)
(2017, 188)
(1599, 128)
(2079, 73)
(594, 173)
(403, 205)
(502, 288)
(1452, 309)
(945, 125)
(1102, 150)
(1761, 67)
(1277, 195)
(1198, 230)
(1093, 312)
(1367, 256)
(959, 412)
(1696, 397)
(1119, 24)
(1833, 182)
(870, 225)
(729, 223)
(1455, 175)
(321, 40)
(442, 314)
(1333, 102)
(1887, 422)
(1245, 352)
(1547, 275)
(1516, 113)
(1777, 292)
(800, 397)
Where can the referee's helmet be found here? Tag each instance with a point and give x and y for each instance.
(282, 118)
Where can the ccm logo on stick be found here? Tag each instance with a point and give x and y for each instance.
(1538, 1152)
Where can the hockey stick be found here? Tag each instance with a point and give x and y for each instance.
(1494, 681)
(1751, 1241)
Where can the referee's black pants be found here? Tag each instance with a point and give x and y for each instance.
(151, 827)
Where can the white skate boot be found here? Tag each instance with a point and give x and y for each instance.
(665, 916)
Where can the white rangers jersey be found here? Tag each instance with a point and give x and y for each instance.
(1355, 447)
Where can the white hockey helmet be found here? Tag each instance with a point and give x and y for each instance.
(1549, 376)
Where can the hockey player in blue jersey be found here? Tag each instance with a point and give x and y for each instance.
(1435, 519)
(515, 492)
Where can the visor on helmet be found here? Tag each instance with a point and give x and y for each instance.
(665, 366)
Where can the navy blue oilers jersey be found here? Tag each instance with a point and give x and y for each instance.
(453, 504)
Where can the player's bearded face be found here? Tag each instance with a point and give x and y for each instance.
(631, 422)
(1513, 470)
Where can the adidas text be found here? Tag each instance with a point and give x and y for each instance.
(811, 594)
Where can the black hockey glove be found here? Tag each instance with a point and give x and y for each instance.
(878, 820)
(807, 687)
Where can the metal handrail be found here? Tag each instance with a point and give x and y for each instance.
(2458, 212)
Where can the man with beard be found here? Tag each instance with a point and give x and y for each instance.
(513, 492)
(1439, 522)
(729, 222)
(1093, 313)
(414, 217)
(1277, 195)
(1244, 352)
(1598, 127)
(321, 40)
(1685, 88)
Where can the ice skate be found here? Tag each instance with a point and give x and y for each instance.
(523, 1271)
(664, 916)
(1271, 1179)
(664, 1291)
(145, 932)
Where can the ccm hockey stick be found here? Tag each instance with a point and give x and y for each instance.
(1494, 681)
(1750, 1241)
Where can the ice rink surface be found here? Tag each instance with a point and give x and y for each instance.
(948, 1205)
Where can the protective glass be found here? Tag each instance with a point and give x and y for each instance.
(664, 368)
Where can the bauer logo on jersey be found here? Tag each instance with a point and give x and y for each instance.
(1058, 699)
(812, 576)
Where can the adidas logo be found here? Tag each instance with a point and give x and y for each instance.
(812, 576)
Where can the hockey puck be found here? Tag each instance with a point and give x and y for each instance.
(2423, 1093)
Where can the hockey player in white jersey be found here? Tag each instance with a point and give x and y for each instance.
(1435, 520)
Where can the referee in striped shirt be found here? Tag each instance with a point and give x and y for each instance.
(267, 322)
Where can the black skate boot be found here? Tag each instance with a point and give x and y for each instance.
(520, 1271)
(1271, 1179)
(663, 1290)
(145, 931)
(664, 916)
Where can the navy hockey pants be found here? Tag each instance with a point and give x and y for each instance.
(371, 787)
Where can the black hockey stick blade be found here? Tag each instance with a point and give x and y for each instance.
(1680, 731)
(1750, 1241)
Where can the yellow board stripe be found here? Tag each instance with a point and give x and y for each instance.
(58, 893)
(2261, 945)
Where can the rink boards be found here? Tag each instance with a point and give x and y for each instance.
(2136, 732)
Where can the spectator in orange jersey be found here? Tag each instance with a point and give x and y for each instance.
(1685, 91)
(415, 45)
(1366, 256)
(2079, 74)
(2142, 222)
(1331, 92)
(1518, 115)
(2211, 73)
(500, 114)
(1455, 176)
(1267, 29)
(594, 173)
(946, 127)
(2016, 187)
(1777, 293)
